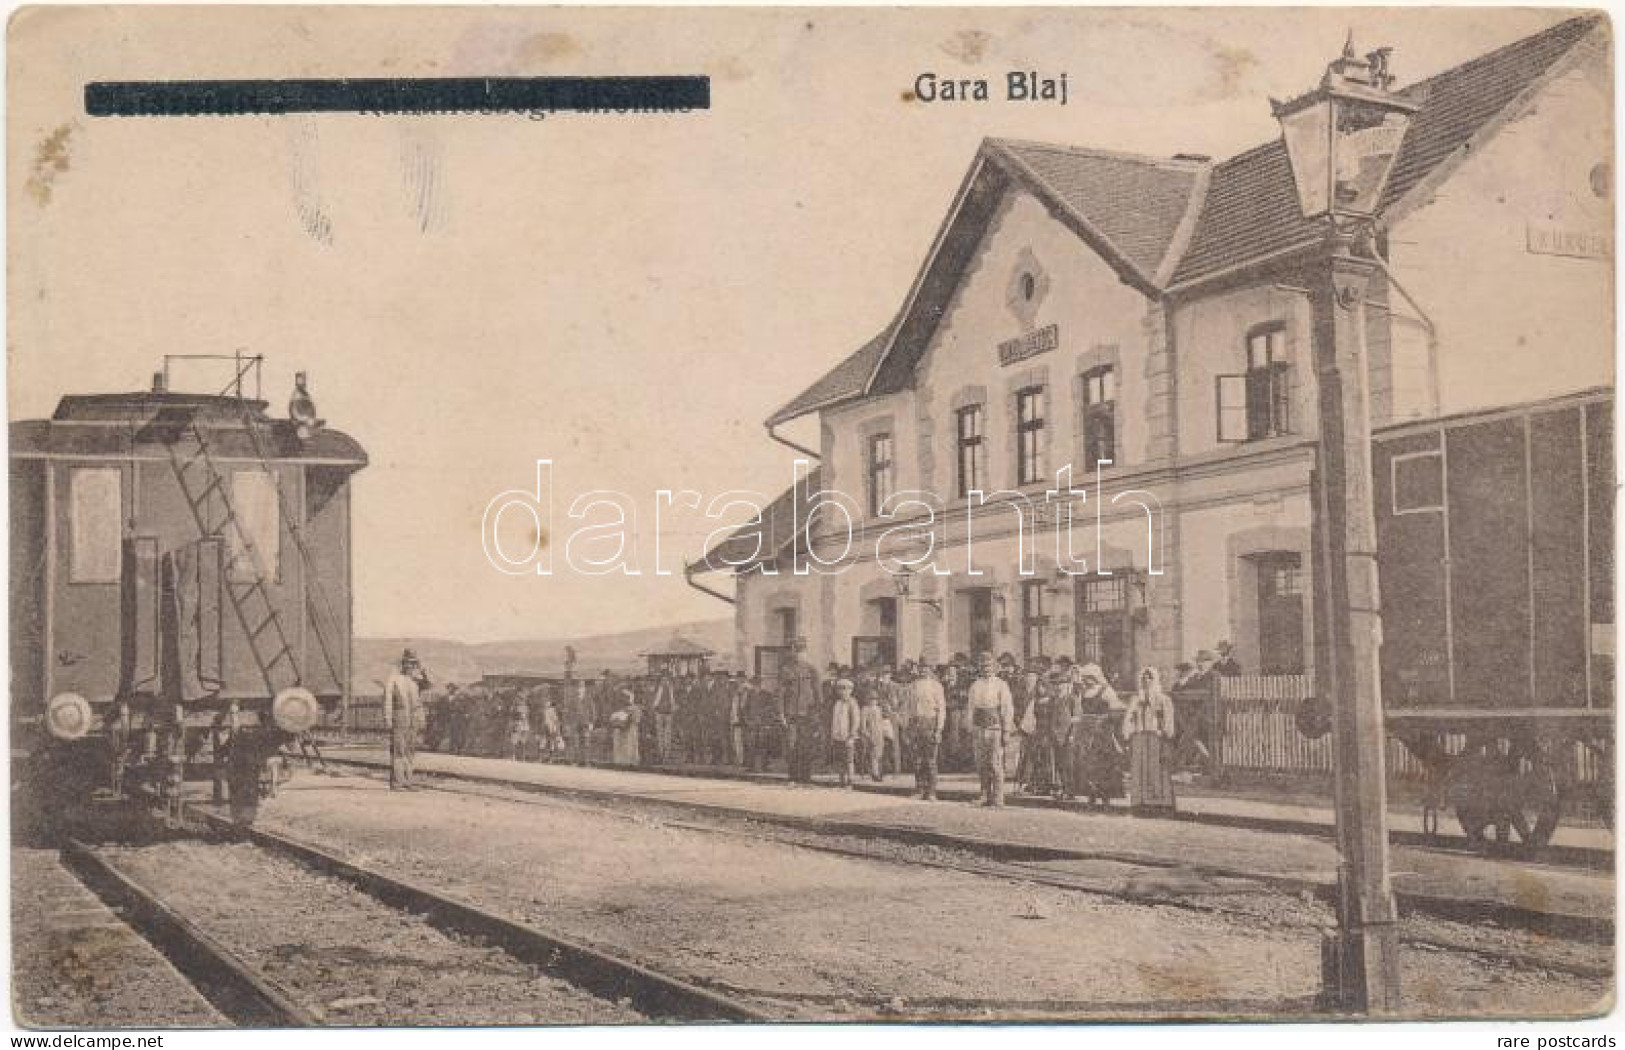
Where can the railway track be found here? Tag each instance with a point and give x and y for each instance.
(223, 977)
(278, 933)
(1185, 887)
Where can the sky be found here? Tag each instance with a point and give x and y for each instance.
(626, 296)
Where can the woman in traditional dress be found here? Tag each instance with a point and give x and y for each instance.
(1095, 757)
(1149, 725)
(1051, 718)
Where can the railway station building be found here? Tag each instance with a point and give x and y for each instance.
(1081, 306)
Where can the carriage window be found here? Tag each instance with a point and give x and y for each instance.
(254, 501)
(1418, 483)
(96, 524)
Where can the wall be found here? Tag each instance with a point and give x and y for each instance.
(1210, 339)
(1099, 321)
(1514, 324)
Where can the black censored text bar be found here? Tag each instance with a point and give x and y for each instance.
(156, 98)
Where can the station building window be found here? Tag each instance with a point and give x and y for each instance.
(1258, 403)
(1099, 416)
(1033, 619)
(971, 450)
(882, 472)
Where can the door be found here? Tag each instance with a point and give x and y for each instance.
(1280, 613)
(979, 615)
(769, 658)
(868, 650)
(1105, 629)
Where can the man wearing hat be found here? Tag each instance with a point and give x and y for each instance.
(924, 711)
(801, 694)
(401, 701)
(1226, 665)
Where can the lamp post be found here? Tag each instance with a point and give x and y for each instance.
(1342, 139)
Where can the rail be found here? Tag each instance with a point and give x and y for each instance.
(648, 991)
(225, 980)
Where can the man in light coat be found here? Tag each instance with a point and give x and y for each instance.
(992, 719)
(401, 703)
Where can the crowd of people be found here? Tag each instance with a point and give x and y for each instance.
(1049, 727)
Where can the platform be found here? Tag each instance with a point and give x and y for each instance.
(1445, 881)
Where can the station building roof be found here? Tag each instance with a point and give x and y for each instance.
(1168, 225)
(1172, 224)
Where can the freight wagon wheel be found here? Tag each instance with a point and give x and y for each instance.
(1495, 800)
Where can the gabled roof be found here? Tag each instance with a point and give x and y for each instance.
(1251, 210)
(1135, 204)
(1136, 212)
(846, 380)
(778, 528)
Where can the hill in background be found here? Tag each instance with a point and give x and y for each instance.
(453, 661)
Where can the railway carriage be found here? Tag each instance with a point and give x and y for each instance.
(1495, 546)
(180, 588)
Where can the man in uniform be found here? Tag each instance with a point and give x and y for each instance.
(802, 695)
(401, 701)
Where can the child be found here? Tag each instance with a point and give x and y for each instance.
(843, 729)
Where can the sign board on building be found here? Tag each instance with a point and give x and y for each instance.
(1578, 244)
(1039, 341)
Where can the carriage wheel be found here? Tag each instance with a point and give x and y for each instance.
(1499, 806)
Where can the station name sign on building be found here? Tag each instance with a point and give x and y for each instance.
(1041, 341)
(1575, 243)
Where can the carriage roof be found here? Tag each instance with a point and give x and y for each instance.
(117, 425)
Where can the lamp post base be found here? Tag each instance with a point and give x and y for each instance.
(1359, 969)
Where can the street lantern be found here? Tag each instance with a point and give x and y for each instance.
(1343, 137)
(1342, 140)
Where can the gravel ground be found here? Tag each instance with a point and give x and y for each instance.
(350, 959)
(75, 964)
(812, 935)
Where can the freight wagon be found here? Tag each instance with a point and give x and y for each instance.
(1495, 539)
(180, 588)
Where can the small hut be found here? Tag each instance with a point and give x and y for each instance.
(679, 658)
